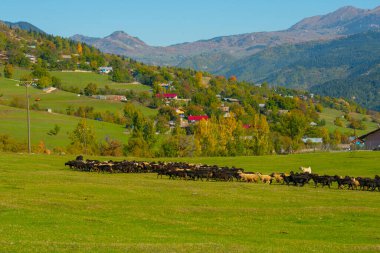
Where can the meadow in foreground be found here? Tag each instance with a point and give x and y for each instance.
(46, 207)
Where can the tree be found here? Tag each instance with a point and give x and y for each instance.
(56, 82)
(79, 48)
(338, 122)
(55, 130)
(90, 89)
(8, 70)
(111, 148)
(232, 79)
(137, 146)
(83, 139)
(199, 78)
(44, 82)
(121, 75)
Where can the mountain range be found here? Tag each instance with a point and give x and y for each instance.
(226, 49)
(334, 54)
(333, 49)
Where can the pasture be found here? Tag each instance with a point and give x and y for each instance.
(13, 123)
(60, 100)
(46, 207)
(81, 79)
(329, 115)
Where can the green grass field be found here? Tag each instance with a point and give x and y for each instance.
(13, 123)
(60, 100)
(45, 207)
(329, 115)
(81, 79)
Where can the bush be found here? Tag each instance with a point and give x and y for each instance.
(7, 144)
(338, 122)
(18, 102)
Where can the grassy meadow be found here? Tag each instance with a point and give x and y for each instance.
(46, 207)
(81, 79)
(13, 123)
(60, 100)
(329, 115)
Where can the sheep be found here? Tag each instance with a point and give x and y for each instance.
(249, 177)
(277, 177)
(355, 183)
(265, 178)
(306, 169)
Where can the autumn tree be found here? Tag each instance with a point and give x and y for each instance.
(198, 78)
(8, 70)
(79, 48)
(232, 79)
(44, 82)
(83, 139)
(90, 89)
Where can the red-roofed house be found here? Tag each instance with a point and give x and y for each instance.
(197, 118)
(167, 96)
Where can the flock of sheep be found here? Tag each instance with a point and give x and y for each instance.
(186, 171)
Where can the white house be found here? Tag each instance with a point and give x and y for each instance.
(105, 70)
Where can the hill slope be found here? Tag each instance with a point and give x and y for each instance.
(353, 60)
(23, 26)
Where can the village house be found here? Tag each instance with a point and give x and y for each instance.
(165, 85)
(105, 70)
(3, 56)
(111, 97)
(194, 119)
(312, 140)
(169, 96)
(231, 100)
(369, 141)
(31, 58)
(66, 56)
(313, 124)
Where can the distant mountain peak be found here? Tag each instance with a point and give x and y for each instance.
(126, 39)
(118, 33)
(339, 18)
(23, 26)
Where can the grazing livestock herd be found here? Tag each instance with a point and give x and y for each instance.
(186, 171)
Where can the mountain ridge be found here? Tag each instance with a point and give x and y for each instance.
(342, 22)
(23, 25)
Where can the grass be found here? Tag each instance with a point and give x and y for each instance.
(60, 100)
(47, 208)
(13, 123)
(81, 79)
(329, 115)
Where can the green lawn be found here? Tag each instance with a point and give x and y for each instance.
(13, 123)
(45, 207)
(329, 115)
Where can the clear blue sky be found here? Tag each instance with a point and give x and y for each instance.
(166, 22)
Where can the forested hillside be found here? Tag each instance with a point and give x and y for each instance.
(157, 111)
(316, 63)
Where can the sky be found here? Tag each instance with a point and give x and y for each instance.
(167, 22)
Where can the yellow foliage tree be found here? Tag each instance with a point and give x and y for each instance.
(198, 78)
(79, 48)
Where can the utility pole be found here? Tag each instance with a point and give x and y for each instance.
(27, 84)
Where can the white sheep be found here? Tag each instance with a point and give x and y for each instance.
(305, 169)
